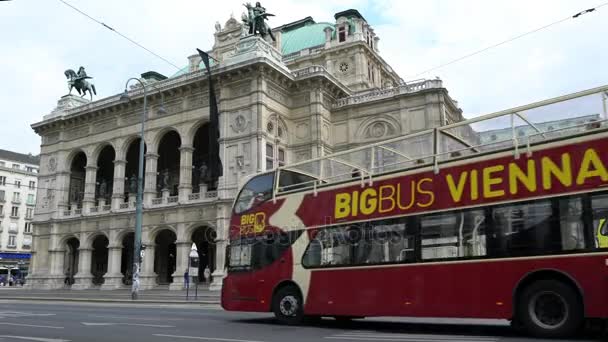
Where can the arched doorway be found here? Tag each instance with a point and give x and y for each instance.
(77, 178)
(200, 158)
(204, 238)
(70, 261)
(99, 259)
(132, 167)
(168, 163)
(126, 263)
(105, 174)
(164, 256)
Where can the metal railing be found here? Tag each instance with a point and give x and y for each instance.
(514, 129)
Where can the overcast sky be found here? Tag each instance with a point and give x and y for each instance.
(39, 39)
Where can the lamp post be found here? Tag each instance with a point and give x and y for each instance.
(140, 176)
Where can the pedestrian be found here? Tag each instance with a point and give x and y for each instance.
(207, 274)
(186, 278)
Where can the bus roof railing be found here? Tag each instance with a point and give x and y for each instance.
(500, 130)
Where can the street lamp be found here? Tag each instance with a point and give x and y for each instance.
(140, 176)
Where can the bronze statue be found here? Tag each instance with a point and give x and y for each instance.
(255, 20)
(203, 174)
(79, 81)
(133, 184)
(165, 179)
(103, 188)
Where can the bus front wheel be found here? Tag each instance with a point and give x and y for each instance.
(550, 308)
(287, 305)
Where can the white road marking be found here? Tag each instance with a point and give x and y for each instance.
(205, 338)
(30, 325)
(131, 324)
(15, 314)
(371, 336)
(40, 339)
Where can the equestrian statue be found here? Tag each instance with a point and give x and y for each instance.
(79, 81)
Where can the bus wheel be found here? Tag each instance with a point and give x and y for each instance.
(549, 308)
(287, 306)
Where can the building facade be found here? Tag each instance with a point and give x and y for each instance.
(18, 184)
(319, 88)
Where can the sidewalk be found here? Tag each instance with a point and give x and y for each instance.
(154, 296)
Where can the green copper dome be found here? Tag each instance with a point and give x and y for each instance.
(303, 37)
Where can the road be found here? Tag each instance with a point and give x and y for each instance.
(92, 322)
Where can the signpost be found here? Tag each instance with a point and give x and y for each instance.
(193, 264)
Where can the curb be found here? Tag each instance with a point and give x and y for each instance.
(97, 300)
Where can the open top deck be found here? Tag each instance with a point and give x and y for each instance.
(515, 129)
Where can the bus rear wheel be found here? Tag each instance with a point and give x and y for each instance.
(287, 306)
(550, 308)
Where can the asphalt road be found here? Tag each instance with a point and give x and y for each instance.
(91, 322)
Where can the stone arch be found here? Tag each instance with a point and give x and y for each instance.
(165, 255)
(71, 258)
(104, 161)
(72, 155)
(124, 146)
(99, 147)
(88, 240)
(188, 139)
(378, 127)
(78, 162)
(99, 257)
(168, 164)
(204, 237)
(158, 136)
(153, 232)
(126, 240)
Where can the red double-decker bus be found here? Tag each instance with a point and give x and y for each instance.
(501, 216)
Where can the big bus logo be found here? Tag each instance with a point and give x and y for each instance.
(253, 223)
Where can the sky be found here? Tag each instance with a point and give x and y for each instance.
(40, 39)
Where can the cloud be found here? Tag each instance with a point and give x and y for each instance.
(41, 39)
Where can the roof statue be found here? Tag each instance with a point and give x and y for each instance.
(79, 81)
(255, 20)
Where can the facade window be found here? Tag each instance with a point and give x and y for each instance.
(12, 240)
(18, 183)
(269, 156)
(15, 212)
(342, 34)
(28, 228)
(2, 195)
(29, 169)
(16, 166)
(281, 157)
(30, 199)
(16, 197)
(32, 185)
(1, 210)
(29, 213)
(2, 180)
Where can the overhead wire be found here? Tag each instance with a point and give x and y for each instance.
(510, 39)
(120, 34)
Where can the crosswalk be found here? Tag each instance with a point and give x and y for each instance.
(379, 336)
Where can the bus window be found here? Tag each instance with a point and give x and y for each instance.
(386, 241)
(599, 203)
(571, 223)
(240, 255)
(289, 180)
(453, 235)
(255, 192)
(330, 247)
(526, 229)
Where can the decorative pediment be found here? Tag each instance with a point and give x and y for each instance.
(378, 127)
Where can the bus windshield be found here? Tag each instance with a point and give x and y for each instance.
(255, 192)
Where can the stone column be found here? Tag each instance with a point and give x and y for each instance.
(56, 274)
(181, 264)
(118, 189)
(89, 189)
(185, 173)
(63, 193)
(113, 279)
(221, 242)
(150, 179)
(83, 278)
(147, 277)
